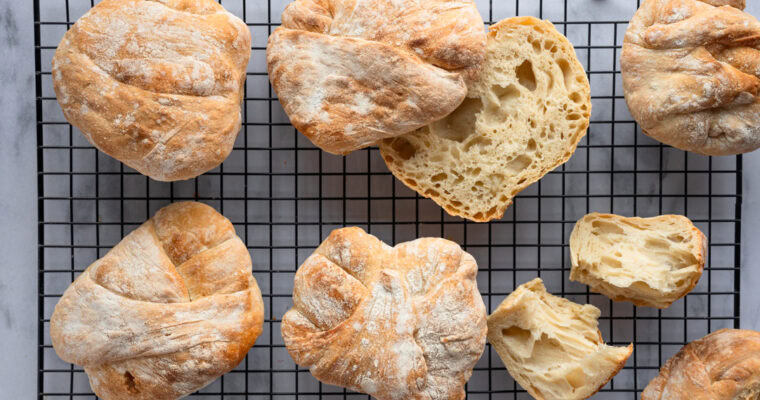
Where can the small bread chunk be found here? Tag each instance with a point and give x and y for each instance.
(721, 366)
(647, 261)
(521, 119)
(552, 346)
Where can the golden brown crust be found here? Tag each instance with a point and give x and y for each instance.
(690, 74)
(155, 84)
(169, 309)
(350, 73)
(724, 365)
(405, 322)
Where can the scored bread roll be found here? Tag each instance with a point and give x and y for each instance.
(169, 309)
(403, 322)
(155, 84)
(647, 261)
(551, 346)
(349, 73)
(522, 118)
(724, 365)
(691, 74)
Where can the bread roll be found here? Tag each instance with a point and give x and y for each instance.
(349, 73)
(724, 365)
(647, 261)
(691, 74)
(404, 322)
(169, 309)
(155, 84)
(552, 346)
(521, 119)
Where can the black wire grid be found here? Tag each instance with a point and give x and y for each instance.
(284, 196)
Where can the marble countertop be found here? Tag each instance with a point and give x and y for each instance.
(18, 197)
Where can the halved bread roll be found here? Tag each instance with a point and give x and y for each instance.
(522, 118)
(552, 346)
(647, 261)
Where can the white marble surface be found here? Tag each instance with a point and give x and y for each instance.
(18, 186)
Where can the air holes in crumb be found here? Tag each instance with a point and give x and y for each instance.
(438, 177)
(491, 212)
(519, 163)
(576, 378)
(604, 227)
(403, 148)
(431, 193)
(536, 46)
(505, 94)
(611, 262)
(576, 97)
(478, 142)
(460, 123)
(531, 145)
(657, 244)
(573, 117)
(525, 75)
(129, 382)
(566, 72)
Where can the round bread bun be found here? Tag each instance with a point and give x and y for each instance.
(155, 84)
(691, 74)
(724, 365)
(404, 322)
(169, 309)
(350, 73)
(522, 118)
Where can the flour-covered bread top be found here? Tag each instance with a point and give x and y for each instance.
(552, 346)
(349, 73)
(155, 84)
(724, 365)
(404, 322)
(647, 261)
(169, 309)
(522, 118)
(691, 74)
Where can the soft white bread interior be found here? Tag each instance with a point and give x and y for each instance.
(647, 261)
(522, 118)
(552, 346)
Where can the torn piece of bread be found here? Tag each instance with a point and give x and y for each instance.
(522, 118)
(647, 261)
(552, 346)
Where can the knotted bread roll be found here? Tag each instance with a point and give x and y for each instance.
(724, 365)
(691, 74)
(156, 84)
(404, 322)
(349, 73)
(169, 309)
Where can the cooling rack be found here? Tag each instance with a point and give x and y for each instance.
(284, 196)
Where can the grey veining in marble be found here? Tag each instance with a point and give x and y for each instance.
(18, 285)
(18, 211)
